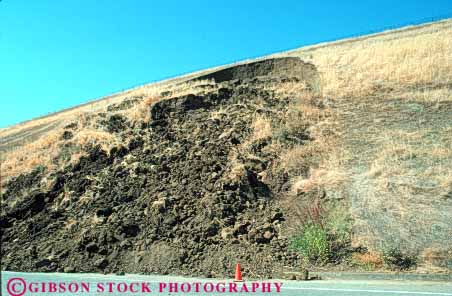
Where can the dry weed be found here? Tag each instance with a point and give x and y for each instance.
(262, 128)
(369, 260)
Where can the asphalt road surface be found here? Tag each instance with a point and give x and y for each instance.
(18, 284)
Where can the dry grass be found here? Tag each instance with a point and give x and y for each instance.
(46, 151)
(391, 102)
(299, 159)
(155, 93)
(262, 128)
(290, 89)
(140, 112)
(368, 260)
(411, 66)
(436, 95)
(329, 179)
(47, 148)
(172, 90)
(411, 162)
(31, 155)
(383, 64)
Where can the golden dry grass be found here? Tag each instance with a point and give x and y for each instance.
(411, 162)
(261, 128)
(290, 89)
(369, 260)
(46, 151)
(29, 156)
(363, 78)
(385, 64)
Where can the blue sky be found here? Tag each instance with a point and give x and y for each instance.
(57, 54)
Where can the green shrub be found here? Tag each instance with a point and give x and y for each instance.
(312, 244)
(339, 227)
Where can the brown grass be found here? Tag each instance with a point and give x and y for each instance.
(385, 64)
(141, 112)
(30, 156)
(46, 151)
(400, 150)
(261, 128)
(365, 75)
(369, 260)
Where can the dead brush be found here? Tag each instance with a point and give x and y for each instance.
(368, 260)
(304, 212)
(27, 157)
(141, 112)
(262, 128)
(315, 213)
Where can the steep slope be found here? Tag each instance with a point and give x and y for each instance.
(186, 194)
(337, 154)
(392, 96)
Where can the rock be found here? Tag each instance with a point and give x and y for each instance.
(130, 230)
(241, 228)
(167, 191)
(268, 235)
(227, 233)
(212, 230)
(116, 123)
(67, 135)
(27, 207)
(304, 276)
(159, 205)
(104, 212)
(252, 235)
(43, 263)
(277, 216)
(125, 244)
(267, 226)
(101, 263)
(138, 259)
(69, 269)
(183, 255)
(92, 247)
(113, 256)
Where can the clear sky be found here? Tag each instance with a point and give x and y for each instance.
(60, 53)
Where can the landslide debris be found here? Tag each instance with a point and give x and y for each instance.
(190, 192)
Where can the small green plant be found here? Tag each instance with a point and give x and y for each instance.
(339, 227)
(312, 243)
(395, 259)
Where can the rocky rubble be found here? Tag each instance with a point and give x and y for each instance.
(172, 199)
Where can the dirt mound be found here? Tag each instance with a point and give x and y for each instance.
(179, 198)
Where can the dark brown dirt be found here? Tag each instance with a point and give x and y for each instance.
(278, 67)
(166, 201)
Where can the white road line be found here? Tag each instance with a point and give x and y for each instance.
(368, 291)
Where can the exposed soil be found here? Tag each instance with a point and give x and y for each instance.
(171, 200)
(281, 67)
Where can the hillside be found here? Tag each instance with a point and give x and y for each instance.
(333, 156)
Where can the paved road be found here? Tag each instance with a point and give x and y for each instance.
(93, 284)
